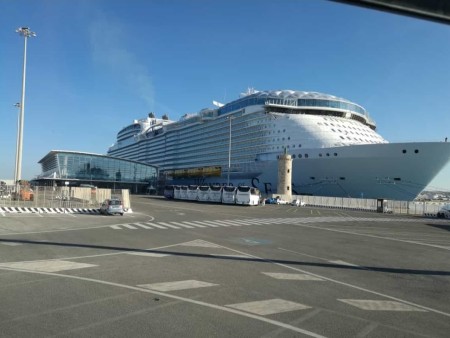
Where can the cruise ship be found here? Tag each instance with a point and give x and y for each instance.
(333, 142)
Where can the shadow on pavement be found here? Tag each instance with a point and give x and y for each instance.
(242, 259)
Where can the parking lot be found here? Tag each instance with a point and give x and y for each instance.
(176, 268)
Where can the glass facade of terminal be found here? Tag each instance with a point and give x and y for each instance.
(95, 169)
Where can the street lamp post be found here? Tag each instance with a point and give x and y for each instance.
(229, 152)
(26, 33)
(17, 105)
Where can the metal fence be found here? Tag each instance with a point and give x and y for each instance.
(397, 207)
(63, 197)
(86, 197)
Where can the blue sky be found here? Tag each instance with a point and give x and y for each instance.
(97, 65)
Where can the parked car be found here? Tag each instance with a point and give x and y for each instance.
(271, 200)
(298, 203)
(111, 207)
(281, 201)
(444, 212)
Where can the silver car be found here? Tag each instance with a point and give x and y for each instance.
(112, 207)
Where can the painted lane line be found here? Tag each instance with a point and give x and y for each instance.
(116, 227)
(147, 254)
(339, 262)
(343, 283)
(183, 299)
(292, 276)
(110, 254)
(371, 236)
(230, 256)
(200, 243)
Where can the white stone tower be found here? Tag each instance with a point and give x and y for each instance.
(284, 186)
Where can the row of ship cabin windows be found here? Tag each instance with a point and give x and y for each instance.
(307, 156)
(340, 131)
(416, 151)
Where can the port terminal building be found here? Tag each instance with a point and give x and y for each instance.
(73, 168)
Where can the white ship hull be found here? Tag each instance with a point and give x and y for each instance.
(361, 171)
(333, 143)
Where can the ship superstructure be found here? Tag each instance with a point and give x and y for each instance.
(335, 148)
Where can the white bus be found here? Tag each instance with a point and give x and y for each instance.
(192, 193)
(176, 192)
(215, 193)
(183, 192)
(242, 195)
(229, 195)
(169, 191)
(203, 193)
(246, 195)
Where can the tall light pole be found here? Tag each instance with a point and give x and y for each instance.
(26, 33)
(17, 105)
(229, 152)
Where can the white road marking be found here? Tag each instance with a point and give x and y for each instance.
(339, 262)
(268, 307)
(210, 224)
(183, 225)
(372, 236)
(178, 285)
(142, 225)
(129, 226)
(11, 243)
(46, 266)
(200, 243)
(233, 223)
(250, 221)
(195, 224)
(168, 225)
(380, 305)
(183, 299)
(147, 254)
(292, 276)
(231, 256)
(343, 283)
(156, 225)
(116, 227)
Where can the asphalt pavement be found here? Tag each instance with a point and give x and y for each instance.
(186, 269)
